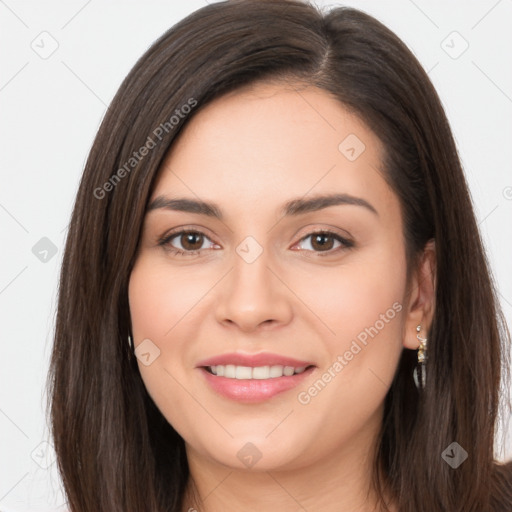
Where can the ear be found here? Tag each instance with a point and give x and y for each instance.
(419, 302)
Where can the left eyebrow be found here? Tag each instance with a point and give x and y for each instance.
(294, 207)
(298, 206)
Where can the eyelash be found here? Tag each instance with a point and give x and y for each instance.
(166, 239)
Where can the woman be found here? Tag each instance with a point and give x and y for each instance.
(274, 294)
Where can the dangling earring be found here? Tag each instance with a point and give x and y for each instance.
(420, 380)
(130, 342)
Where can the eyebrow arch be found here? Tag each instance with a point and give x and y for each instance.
(294, 207)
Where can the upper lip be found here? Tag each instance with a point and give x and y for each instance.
(253, 360)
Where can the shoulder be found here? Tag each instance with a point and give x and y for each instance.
(501, 492)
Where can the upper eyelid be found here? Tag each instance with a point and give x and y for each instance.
(170, 235)
(166, 238)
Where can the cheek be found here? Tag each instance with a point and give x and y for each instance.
(161, 297)
(352, 297)
(159, 301)
(361, 315)
(361, 302)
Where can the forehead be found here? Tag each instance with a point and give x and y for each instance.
(270, 141)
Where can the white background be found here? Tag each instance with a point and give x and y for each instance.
(50, 111)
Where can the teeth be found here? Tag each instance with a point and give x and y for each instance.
(287, 370)
(258, 372)
(230, 371)
(243, 372)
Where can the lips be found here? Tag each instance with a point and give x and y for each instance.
(240, 387)
(252, 360)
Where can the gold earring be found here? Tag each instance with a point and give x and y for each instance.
(420, 380)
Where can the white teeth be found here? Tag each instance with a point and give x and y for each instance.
(288, 370)
(261, 372)
(230, 371)
(258, 372)
(276, 371)
(243, 372)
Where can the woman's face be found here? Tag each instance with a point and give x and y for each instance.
(246, 275)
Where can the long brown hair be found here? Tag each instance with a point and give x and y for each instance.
(115, 450)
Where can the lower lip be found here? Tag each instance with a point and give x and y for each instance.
(253, 390)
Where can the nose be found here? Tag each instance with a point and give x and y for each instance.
(253, 296)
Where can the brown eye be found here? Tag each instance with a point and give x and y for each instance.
(322, 241)
(191, 241)
(186, 243)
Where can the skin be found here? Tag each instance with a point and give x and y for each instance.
(250, 152)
